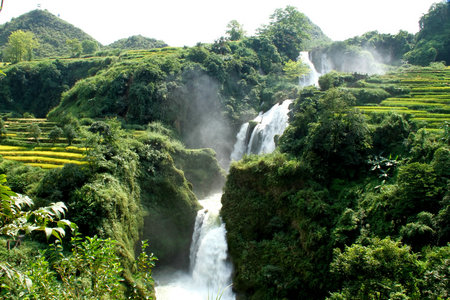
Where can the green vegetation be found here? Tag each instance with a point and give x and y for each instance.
(36, 86)
(235, 31)
(20, 46)
(92, 270)
(353, 206)
(74, 47)
(291, 31)
(50, 31)
(136, 42)
(427, 101)
(432, 41)
(131, 188)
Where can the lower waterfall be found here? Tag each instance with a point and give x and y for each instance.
(209, 274)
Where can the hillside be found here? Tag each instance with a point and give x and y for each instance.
(136, 42)
(51, 32)
(353, 198)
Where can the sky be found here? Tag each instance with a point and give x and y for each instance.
(188, 22)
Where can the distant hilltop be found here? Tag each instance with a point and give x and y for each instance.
(52, 33)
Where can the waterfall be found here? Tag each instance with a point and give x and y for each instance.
(240, 147)
(312, 78)
(262, 136)
(209, 274)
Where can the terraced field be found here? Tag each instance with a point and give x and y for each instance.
(428, 101)
(40, 153)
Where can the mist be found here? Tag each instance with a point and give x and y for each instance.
(363, 62)
(204, 125)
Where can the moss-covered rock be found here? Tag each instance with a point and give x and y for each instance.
(170, 211)
(201, 168)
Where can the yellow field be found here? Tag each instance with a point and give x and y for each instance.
(55, 154)
(42, 159)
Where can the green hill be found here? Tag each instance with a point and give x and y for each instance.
(51, 32)
(137, 42)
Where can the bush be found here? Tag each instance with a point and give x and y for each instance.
(382, 269)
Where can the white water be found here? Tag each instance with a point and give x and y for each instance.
(240, 147)
(273, 122)
(312, 78)
(210, 271)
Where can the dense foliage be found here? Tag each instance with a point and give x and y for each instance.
(36, 86)
(432, 41)
(355, 207)
(291, 32)
(20, 46)
(130, 190)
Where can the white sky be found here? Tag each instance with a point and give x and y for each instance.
(186, 22)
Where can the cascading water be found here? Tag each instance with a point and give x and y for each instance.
(261, 138)
(312, 78)
(209, 276)
(210, 271)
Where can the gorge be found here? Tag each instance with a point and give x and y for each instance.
(210, 270)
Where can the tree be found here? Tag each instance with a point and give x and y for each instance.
(15, 219)
(34, 131)
(2, 129)
(55, 134)
(433, 39)
(74, 47)
(89, 47)
(287, 31)
(384, 269)
(20, 46)
(295, 69)
(235, 31)
(70, 133)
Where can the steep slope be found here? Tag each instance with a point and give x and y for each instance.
(51, 32)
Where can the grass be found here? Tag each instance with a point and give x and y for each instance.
(10, 148)
(66, 155)
(42, 159)
(428, 100)
(432, 89)
(409, 102)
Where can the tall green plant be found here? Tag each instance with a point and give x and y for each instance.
(16, 220)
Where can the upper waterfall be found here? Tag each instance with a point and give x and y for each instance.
(312, 78)
(258, 135)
